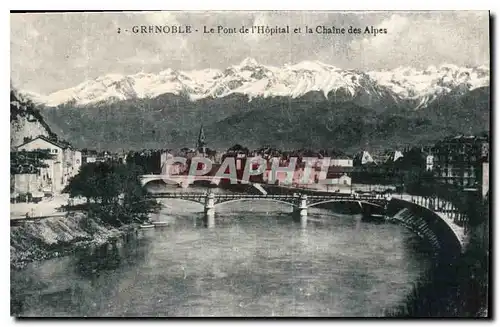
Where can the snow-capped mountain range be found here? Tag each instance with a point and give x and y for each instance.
(419, 87)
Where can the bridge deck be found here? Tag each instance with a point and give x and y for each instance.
(186, 195)
(312, 200)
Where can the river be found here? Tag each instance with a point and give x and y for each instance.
(255, 261)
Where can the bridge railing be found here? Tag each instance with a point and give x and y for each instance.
(468, 202)
(312, 199)
(457, 215)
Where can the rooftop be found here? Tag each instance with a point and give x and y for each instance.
(58, 143)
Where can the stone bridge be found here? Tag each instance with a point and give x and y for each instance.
(185, 180)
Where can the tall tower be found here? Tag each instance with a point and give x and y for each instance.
(201, 145)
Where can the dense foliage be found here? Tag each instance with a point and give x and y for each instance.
(24, 162)
(148, 160)
(113, 192)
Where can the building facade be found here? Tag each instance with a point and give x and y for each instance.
(341, 162)
(64, 164)
(429, 162)
(459, 160)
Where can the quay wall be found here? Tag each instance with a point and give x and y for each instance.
(449, 245)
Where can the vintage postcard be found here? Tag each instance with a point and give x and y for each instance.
(250, 164)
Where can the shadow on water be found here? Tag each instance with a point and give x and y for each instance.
(92, 262)
(35, 284)
(126, 250)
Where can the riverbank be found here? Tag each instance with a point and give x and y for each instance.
(59, 236)
(47, 207)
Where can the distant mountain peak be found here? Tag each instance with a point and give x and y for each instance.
(248, 61)
(404, 85)
(311, 65)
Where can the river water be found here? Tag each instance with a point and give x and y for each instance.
(255, 261)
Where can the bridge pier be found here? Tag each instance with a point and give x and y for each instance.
(210, 210)
(303, 221)
(365, 210)
(300, 211)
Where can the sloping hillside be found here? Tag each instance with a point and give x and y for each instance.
(327, 125)
(25, 120)
(171, 121)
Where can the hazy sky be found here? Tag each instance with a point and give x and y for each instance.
(50, 52)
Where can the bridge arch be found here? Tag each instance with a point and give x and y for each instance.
(185, 180)
(203, 182)
(201, 201)
(267, 200)
(345, 200)
(146, 179)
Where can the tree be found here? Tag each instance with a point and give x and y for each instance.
(113, 192)
(239, 149)
(28, 161)
(414, 159)
(88, 183)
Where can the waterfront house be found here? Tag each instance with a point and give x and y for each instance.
(462, 161)
(64, 164)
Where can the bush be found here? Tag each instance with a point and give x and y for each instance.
(113, 192)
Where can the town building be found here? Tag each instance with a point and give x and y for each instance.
(342, 161)
(429, 162)
(89, 156)
(331, 177)
(93, 156)
(461, 160)
(64, 164)
(394, 156)
(364, 158)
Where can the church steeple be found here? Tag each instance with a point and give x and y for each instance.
(201, 145)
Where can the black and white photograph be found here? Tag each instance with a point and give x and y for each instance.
(285, 164)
